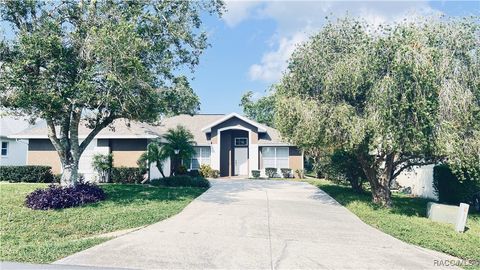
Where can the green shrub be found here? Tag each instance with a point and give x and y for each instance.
(103, 165)
(255, 173)
(271, 172)
(127, 175)
(181, 170)
(193, 173)
(207, 171)
(181, 181)
(57, 177)
(29, 173)
(450, 189)
(300, 173)
(286, 172)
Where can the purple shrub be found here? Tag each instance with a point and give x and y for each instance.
(57, 197)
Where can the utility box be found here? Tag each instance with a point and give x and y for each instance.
(455, 215)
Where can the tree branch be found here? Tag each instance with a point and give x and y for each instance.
(107, 121)
(74, 123)
(52, 135)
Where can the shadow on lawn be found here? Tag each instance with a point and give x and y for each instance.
(402, 204)
(129, 193)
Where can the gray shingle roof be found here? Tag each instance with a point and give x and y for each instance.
(10, 125)
(120, 129)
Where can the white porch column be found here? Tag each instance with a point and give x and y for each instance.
(215, 155)
(253, 158)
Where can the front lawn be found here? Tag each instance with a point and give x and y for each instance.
(45, 236)
(406, 221)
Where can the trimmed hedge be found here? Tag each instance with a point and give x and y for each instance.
(271, 172)
(57, 197)
(255, 173)
(286, 172)
(127, 175)
(194, 173)
(29, 173)
(181, 181)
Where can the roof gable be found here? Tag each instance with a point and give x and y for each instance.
(209, 127)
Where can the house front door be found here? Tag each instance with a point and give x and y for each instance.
(241, 161)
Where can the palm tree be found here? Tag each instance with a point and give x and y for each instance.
(179, 145)
(154, 153)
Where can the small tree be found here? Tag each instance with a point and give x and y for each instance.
(178, 144)
(103, 165)
(154, 154)
(261, 110)
(88, 63)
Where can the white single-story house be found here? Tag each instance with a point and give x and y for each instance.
(13, 151)
(232, 144)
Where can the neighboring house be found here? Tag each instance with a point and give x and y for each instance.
(13, 151)
(420, 181)
(231, 143)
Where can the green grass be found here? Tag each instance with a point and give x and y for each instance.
(406, 221)
(45, 236)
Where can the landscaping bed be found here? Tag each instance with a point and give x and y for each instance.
(39, 236)
(407, 221)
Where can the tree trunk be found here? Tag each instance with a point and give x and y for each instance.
(356, 185)
(69, 174)
(379, 179)
(160, 169)
(381, 193)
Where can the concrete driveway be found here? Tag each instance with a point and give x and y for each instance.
(246, 224)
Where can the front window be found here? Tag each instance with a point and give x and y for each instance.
(4, 149)
(275, 157)
(202, 156)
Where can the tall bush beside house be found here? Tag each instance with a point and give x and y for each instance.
(343, 166)
(29, 173)
(454, 190)
(103, 164)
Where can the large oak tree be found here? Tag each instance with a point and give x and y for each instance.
(395, 96)
(88, 63)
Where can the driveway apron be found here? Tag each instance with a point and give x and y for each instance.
(256, 224)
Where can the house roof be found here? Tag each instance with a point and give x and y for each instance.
(119, 129)
(197, 124)
(194, 123)
(10, 125)
(208, 128)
